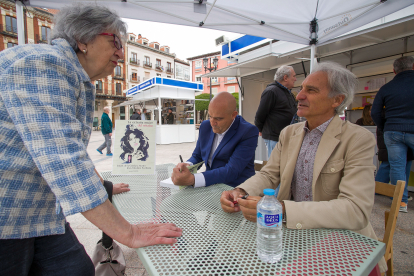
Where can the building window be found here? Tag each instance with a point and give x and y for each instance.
(168, 66)
(11, 44)
(117, 70)
(134, 77)
(134, 58)
(45, 33)
(122, 112)
(214, 90)
(156, 46)
(96, 105)
(169, 77)
(158, 64)
(158, 75)
(231, 89)
(98, 85)
(147, 61)
(132, 38)
(214, 80)
(198, 64)
(198, 78)
(11, 24)
(145, 42)
(118, 88)
(167, 50)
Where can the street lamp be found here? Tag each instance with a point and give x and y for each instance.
(207, 62)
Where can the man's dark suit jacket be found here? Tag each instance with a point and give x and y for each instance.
(233, 160)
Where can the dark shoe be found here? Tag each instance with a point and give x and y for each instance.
(99, 151)
(109, 154)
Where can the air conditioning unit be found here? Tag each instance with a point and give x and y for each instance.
(222, 40)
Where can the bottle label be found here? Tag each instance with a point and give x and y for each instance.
(269, 220)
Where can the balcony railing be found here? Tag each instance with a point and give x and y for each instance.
(134, 61)
(136, 79)
(8, 30)
(99, 91)
(230, 81)
(170, 71)
(118, 77)
(158, 67)
(147, 64)
(40, 39)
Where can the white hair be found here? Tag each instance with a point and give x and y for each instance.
(106, 108)
(83, 22)
(283, 71)
(341, 81)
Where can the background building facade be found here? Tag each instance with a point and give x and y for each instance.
(219, 84)
(182, 70)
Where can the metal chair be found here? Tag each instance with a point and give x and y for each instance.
(395, 191)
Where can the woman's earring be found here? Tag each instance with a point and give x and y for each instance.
(84, 51)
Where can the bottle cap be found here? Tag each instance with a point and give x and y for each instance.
(269, 192)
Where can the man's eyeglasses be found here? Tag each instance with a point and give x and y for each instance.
(117, 41)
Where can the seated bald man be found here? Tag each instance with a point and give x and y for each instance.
(324, 165)
(226, 143)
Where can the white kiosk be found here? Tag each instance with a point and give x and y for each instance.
(163, 94)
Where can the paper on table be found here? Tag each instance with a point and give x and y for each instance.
(193, 168)
(169, 184)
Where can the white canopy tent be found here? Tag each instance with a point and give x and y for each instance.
(309, 22)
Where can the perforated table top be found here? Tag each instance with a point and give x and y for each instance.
(218, 243)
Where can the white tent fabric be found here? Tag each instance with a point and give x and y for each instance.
(276, 19)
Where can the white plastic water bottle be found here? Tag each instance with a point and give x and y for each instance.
(269, 228)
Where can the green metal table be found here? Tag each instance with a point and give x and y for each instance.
(218, 243)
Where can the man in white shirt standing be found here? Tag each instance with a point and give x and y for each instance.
(226, 144)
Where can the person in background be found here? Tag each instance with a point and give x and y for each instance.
(136, 115)
(396, 99)
(383, 173)
(106, 128)
(277, 107)
(170, 117)
(47, 96)
(226, 144)
(323, 166)
(366, 119)
(144, 111)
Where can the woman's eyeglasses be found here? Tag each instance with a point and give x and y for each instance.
(117, 41)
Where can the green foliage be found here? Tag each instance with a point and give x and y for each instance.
(202, 105)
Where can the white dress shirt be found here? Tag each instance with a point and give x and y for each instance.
(199, 180)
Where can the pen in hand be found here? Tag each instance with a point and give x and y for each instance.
(181, 159)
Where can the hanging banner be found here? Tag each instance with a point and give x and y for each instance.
(134, 147)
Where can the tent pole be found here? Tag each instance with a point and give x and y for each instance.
(20, 23)
(159, 111)
(312, 57)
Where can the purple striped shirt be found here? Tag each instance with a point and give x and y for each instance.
(303, 175)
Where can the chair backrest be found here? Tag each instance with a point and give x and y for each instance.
(259, 166)
(390, 217)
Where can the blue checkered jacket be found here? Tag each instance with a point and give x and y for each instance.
(46, 114)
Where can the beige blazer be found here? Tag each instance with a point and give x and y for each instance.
(343, 184)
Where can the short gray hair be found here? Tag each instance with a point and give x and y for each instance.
(82, 23)
(341, 81)
(106, 108)
(403, 64)
(283, 71)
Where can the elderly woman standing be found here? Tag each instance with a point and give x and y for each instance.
(46, 113)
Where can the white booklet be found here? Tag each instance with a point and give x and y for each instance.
(169, 184)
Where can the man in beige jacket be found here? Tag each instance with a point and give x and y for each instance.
(324, 165)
